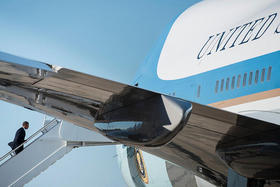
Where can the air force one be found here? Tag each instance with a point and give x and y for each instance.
(206, 100)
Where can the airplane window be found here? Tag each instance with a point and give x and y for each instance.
(227, 84)
(269, 73)
(256, 76)
(217, 86)
(198, 91)
(238, 81)
(232, 82)
(244, 79)
(222, 84)
(250, 78)
(263, 74)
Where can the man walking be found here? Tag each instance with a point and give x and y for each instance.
(19, 137)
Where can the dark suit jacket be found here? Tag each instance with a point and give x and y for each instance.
(19, 139)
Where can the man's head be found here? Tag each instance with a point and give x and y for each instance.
(25, 125)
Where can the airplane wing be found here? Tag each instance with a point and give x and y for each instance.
(200, 138)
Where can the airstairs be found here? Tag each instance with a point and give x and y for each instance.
(50, 143)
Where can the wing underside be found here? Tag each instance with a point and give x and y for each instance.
(203, 139)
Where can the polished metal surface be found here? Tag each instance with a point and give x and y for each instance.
(69, 95)
(210, 138)
(151, 122)
(199, 138)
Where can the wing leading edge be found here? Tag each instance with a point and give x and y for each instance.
(203, 139)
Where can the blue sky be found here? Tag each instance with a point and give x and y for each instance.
(99, 37)
(106, 38)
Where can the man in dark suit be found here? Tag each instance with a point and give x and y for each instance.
(19, 137)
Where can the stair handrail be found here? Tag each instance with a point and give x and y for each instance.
(28, 139)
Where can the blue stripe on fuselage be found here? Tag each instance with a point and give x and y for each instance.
(186, 88)
(153, 56)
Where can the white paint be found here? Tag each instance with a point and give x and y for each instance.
(266, 109)
(178, 58)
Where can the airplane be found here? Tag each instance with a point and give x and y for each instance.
(206, 100)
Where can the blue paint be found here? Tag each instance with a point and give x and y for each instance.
(150, 62)
(186, 88)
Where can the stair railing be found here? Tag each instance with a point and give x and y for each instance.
(12, 152)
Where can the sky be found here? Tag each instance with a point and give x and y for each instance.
(105, 38)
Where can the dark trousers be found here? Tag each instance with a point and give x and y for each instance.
(19, 150)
